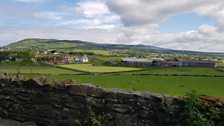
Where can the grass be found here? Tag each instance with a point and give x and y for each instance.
(172, 85)
(97, 69)
(180, 71)
(99, 52)
(108, 58)
(36, 70)
(32, 44)
(220, 64)
(23, 63)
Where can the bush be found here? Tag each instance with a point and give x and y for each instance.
(192, 113)
(91, 120)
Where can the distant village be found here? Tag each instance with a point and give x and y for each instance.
(57, 58)
(46, 57)
(53, 57)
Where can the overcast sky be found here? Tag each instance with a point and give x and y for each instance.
(176, 24)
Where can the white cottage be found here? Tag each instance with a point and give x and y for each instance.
(82, 59)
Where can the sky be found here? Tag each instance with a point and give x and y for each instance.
(175, 24)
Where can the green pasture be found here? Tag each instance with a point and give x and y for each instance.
(158, 81)
(172, 85)
(36, 70)
(108, 58)
(180, 71)
(97, 69)
(100, 52)
(43, 45)
(220, 64)
(22, 63)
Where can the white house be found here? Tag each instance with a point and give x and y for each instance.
(81, 59)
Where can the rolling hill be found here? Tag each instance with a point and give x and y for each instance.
(35, 44)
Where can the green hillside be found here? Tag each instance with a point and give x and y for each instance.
(82, 46)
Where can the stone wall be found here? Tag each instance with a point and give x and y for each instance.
(59, 105)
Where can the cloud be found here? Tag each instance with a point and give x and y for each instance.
(13, 34)
(88, 24)
(141, 12)
(31, 1)
(48, 15)
(94, 15)
(141, 19)
(206, 38)
(215, 11)
(125, 22)
(92, 9)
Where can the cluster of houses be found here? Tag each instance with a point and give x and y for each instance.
(41, 57)
(168, 63)
(68, 59)
(4, 49)
(52, 57)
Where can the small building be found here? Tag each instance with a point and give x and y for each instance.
(159, 62)
(137, 61)
(66, 59)
(20, 59)
(2, 49)
(34, 59)
(82, 59)
(198, 63)
(171, 64)
(56, 53)
(157, 59)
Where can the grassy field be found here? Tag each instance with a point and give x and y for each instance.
(36, 70)
(32, 44)
(97, 69)
(23, 63)
(172, 85)
(180, 71)
(220, 64)
(107, 58)
(100, 52)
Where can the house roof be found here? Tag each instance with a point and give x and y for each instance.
(137, 60)
(198, 61)
(171, 62)
(157, 59)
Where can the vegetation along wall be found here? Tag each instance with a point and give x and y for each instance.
(68, 104)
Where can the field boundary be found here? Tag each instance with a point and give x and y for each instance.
(73, 69)
(179, 75)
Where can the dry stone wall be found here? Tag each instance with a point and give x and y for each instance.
(60, 105)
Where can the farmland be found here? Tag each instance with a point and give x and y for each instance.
(105, 58)
(136, 81)
(101, 52)
(180, 71)
(173, 81)
(97, 69)
(172, 85)
(35, 70)
(220, 64)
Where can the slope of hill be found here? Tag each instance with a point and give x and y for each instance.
(77, 45)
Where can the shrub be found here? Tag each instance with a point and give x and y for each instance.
(192, 113)
(91, 120)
